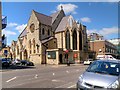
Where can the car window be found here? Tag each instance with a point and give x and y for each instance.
(105, 67)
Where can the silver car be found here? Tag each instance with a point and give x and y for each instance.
(101, 74)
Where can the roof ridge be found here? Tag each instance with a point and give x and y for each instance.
(55, 13)
(22, 32)
(41, 13)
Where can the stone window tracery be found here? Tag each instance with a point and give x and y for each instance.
(32, 27)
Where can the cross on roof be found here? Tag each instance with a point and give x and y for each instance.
(61, 7)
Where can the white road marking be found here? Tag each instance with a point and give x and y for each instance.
(11, 79)
(63, 85)
(73, 86)
(67, 71)
(36, 76)
(53, 74)
(54, 80)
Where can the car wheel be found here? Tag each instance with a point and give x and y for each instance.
(25, 64)
(21, 64)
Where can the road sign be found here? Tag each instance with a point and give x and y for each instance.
(75, 55)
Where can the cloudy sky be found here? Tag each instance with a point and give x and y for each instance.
(99, 17)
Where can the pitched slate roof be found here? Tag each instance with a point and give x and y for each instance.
(47, 20)
(23, 33)
(62, 24)
(54, 15)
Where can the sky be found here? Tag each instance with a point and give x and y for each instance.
(99, 17)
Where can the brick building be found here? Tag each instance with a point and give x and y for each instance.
(102, 47)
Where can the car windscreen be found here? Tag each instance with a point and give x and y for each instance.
(110, 68)
(4, 60)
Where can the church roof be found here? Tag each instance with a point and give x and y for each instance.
(23, 33)
(47, 20)
(54, 15)
(62, 24)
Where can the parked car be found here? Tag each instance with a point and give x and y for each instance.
(103, 57)
(88, 62)
(16, 62)
(5, 62)
(100, 75)
(27, 63)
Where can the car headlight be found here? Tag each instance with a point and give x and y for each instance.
(114, 85)
(80, 79)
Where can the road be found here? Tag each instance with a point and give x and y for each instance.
(43, 76)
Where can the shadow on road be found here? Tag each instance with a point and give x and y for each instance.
(38, 88)
(14, 67)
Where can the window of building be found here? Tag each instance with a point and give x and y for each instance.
(74, 36)
(67, 37)
(17, 50)
(30, 44)
(43, 31)
(51, 54)
(30, 51)
(105, 49)
(48, 32)
(32, 27)
(37, 49)
(80, 41)
(34, 46)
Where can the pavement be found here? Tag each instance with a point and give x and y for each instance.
(43, 76)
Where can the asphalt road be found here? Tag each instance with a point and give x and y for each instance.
(43, 76)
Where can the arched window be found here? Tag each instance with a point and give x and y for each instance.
(74, 39)
(30, 46)
(48, 32)
(80, 41)
(25, 54)
(43, 31)
(34, 46)
(17, 50)
(67, 39)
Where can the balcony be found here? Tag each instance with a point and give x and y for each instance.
(4, 22)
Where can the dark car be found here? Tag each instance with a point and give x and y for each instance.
(16, 62)
(5, 62)
(27, 63)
